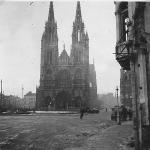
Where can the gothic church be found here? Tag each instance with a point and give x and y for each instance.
(66, 82)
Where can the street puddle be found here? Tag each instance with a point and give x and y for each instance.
(4, 130)
(8, 140)
(26, 131)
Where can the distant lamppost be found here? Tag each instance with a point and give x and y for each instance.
(53, 100)
(118, 115)
(22, 91)
(1, 95)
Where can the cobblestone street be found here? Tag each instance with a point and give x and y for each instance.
(62, 132)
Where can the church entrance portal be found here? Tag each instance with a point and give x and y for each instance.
(47, 102)
(62, 101)
(78, 102)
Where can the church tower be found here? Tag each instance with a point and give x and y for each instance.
(80, 59)
(49, 61)
(49, 46)
(80, 40)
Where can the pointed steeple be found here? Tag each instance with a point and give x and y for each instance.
(93, 61)
(49, 42)
(51, 25)
(51, 13)
(80, 42)
(64, 52)
(87, 37)
(78, 13)
(64, 46)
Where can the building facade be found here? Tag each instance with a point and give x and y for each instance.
(125, 88)
(29, 101)
(133, 54)
(93, 85)
(9, 102)
(65, 81)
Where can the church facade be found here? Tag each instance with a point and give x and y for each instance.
(66, 82)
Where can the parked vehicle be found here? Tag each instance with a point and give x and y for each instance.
(93, 110)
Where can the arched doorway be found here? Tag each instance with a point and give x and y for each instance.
(46, 103)
(78, 101)
(78, 97)
(62, 101)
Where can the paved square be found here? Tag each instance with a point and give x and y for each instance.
(52, 131)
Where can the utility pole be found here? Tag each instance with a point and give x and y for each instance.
(22, 91)
(118, 115)
(1, 94)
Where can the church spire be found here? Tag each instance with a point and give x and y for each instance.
(78, 13)
(64, 46)
(51, 13)
(49, 43)
(80, 48)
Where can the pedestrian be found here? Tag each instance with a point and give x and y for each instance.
(124, 113)
(81, 113)
(130, 113)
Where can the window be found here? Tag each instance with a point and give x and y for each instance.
(124, 19)
(78, 35)
(50, 57)
(78, 79)
(78, 74)
(63, 79)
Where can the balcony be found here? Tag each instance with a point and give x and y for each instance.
(123, 55)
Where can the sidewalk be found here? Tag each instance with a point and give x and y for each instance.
(112, 138)
(56, 112)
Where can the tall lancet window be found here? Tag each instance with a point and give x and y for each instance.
(50, 57)
(78, 35)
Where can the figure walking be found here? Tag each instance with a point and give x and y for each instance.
(130, 113)
(124, 113)
(81, 113)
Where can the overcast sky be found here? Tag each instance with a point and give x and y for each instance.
(21, 28)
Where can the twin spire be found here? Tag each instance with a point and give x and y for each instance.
(78, 18)
(51, 12)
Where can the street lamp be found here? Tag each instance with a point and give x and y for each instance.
(118, 115)
(1, 95)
